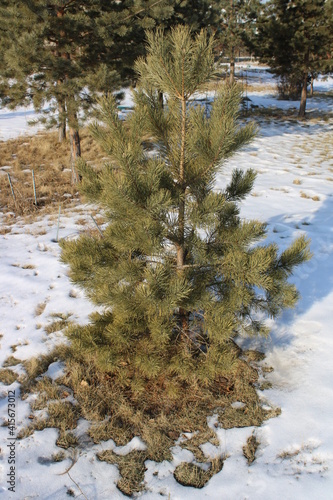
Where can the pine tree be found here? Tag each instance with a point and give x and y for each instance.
(236, 27)
(63, 54)
(295, 38)
(176, 269)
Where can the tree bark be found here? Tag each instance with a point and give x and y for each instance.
(302, 106)
(74, 136)
(62, 122)
(311, 86)
(183, 314)
(75, 143)
(232, 68)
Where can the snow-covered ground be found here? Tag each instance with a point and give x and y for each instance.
(294, 194)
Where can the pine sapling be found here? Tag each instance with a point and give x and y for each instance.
(178, 272)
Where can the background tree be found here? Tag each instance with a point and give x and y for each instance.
(236, 28)
(176, 270)
(294, 38)
(65, 53)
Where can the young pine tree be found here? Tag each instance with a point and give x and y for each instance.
(176, 270)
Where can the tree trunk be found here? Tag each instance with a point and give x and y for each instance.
(75, 143)
(302, 106)
(311, 86)
(62, 122)
(183, 314)
(232, 68)
(74, 136)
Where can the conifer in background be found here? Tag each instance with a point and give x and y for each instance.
(178, 272)
(61, 54)
(236, 28)
(295, 39)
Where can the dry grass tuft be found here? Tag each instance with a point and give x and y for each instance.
(131, 467)
(58, 457)
(7, 376)
(189, 474)
(11, 361)
(67, 440)
(60, 323)
(308, 197)
(40, 308)
(201, 437)
(249, 450)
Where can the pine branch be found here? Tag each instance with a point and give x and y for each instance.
(142, 10)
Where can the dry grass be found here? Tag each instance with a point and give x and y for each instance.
(159, 421)
(50, 162)
(40, 308)
(131, 467)
(308, 197)
(249, 450)
(11, 361)
(60, 322)
(189, 474)
(7, 376)
(24, 266)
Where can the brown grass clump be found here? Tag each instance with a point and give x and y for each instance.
(7, 376)
(50, 162)
(11, 361)
(131, 467)
(40, 308)
(189, 474)
(158, 418)
(249, 450)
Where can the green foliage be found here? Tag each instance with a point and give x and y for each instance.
(295, 39)
(178, 272)
(236, 27)
(61, 55)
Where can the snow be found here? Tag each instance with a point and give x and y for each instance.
(15, 123)
(293, 193)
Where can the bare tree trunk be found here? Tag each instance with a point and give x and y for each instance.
(74, 136)
(311, 86)
(302, 106)
(75, 143)
(232, 68)
(62, 122)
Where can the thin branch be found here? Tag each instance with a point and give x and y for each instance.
(141, 10)
(171, 80)
(182, 331)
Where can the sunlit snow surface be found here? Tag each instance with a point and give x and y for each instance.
(294, 194)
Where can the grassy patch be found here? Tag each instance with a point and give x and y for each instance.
(131, 467)
(157, 417)
(7, 376)
(50, 162)
(11, 361)
(67, 440)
